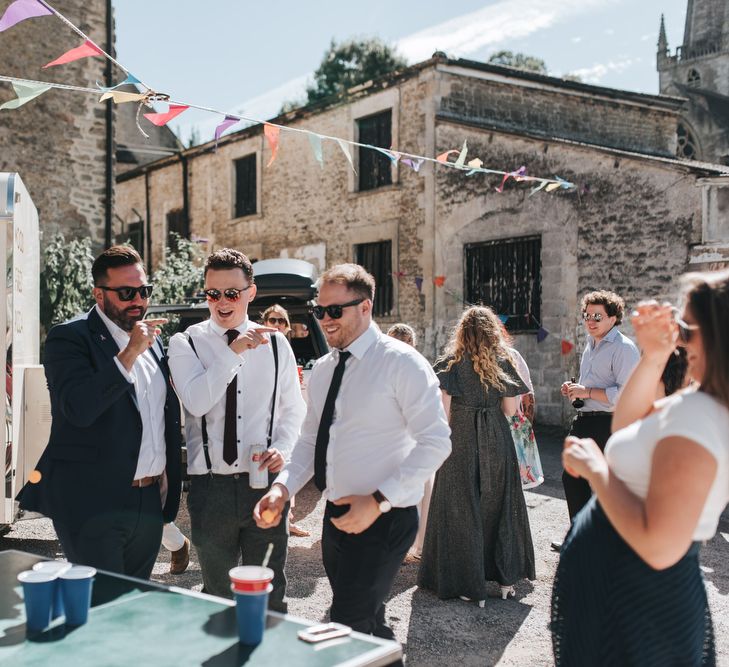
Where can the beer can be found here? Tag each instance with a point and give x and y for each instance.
(257, 479)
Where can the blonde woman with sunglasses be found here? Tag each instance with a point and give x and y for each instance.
(628, 589)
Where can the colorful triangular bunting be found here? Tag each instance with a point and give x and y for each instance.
(160, 119)
(25, 93)
(316, 148)
(272, 133)
(227, 122)
(20, 10)
(567, 347)
(87, 49)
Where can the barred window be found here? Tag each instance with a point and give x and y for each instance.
(176, 224)
(505, 275)
(377, 259)
(245, 186)
(135, 235)
(374, 167)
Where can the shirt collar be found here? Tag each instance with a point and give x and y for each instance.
(220, 331)
(360, 345)
(114, 329)
(609, 337)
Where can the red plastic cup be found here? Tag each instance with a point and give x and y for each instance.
(250, 578)
(300, 370)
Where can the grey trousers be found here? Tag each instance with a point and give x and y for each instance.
(225, 534)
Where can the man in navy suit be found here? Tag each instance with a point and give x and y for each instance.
(110, 475)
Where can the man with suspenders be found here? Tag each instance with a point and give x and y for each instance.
(239, 386)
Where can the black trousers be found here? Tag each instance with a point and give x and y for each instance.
(126, 541)
(576, 490)
(361, 568)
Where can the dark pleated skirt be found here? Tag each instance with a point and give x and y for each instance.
(611, 609)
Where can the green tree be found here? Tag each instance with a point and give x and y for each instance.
(350, 63)
(519, 60)
(65, 280)
(181, 276)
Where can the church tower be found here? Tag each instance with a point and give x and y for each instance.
(699, 71)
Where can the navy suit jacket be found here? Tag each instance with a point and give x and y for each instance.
(89, 464)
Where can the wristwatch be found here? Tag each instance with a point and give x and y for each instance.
(383, 503)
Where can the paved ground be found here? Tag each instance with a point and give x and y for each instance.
(433, 632)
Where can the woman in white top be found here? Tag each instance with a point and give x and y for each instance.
(628, 589)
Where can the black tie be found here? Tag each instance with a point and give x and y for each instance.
(230, 432)
(322, 435)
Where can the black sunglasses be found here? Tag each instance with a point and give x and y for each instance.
(595, 317)
(685, 331)
(277, 320)
(334, 311)
(128, 293)
(231, 294)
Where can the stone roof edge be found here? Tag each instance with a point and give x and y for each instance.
(705, 168)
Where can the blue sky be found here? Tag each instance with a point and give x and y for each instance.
(247, 58)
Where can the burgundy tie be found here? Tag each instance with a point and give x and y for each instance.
(230, 433)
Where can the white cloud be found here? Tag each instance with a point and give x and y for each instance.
(599, 71)
(609, 31)
(576, 40)
(646, 37)
(495, 24)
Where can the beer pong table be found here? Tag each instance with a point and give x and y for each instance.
(134, 623)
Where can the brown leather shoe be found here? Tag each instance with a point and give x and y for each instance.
(180, 559)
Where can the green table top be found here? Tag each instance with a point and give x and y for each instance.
(133, 623)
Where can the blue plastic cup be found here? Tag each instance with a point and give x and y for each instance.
(54, 568)
(250, 610)
(38, 588)
(76, 584)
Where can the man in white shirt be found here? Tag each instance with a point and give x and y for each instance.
(372, 461)
(110, 474)
(226, 371)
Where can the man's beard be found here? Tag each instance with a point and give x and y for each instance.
(121, 317)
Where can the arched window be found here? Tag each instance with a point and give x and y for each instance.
(694, 78)
(686, 148)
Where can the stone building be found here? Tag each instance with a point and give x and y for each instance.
(437, 238)
(67, 146)
(699, 71)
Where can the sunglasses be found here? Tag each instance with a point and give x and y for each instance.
(277, 320)
(128, 293)
(334, 311)
(595, 317)
(685, 330)
(231, 294)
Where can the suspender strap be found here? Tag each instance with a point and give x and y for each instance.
(274, 349)
(203, 422)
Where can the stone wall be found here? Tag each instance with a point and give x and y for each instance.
(554, 108)
(57, 141)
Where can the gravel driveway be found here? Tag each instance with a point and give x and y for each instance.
(435, 632)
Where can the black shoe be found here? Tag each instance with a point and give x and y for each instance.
(556, 546)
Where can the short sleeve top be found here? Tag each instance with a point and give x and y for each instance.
(693, 415)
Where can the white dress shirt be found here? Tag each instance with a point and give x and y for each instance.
(201, 377)
(151, 390)
(390, 431)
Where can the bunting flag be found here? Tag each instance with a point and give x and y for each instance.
(552, 186)
(542, 333)
(443, 157)
(400, 274)
(419, 283)
(567, 347)
(516, 175)
(227, 122)
(130, 80)
(87, 49)
(504, 318)
(345, 149)
(475, 164)
(120, 97)
(20, 10)
(439, 281)
(388, 154)
(414, 164)
(160, 119)
(316, 148)
(272, 133)
(25, 93)
(462, 156)
(539, 187)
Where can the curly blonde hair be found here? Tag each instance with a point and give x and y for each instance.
(479, 336)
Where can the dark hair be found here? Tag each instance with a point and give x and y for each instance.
(354, 277)
(707, 299)
(674, 373)
(614, 304)
(113, 258)
(227, 258)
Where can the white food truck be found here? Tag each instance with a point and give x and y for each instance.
(27, 404)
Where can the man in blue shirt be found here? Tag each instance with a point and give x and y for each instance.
(607, 362)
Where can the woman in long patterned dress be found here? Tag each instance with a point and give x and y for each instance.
(478, 528)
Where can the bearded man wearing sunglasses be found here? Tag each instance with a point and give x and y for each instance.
(375, 431)
(239, 386)
(111, 473)
(607, 361)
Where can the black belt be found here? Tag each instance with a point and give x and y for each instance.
(593, 413)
